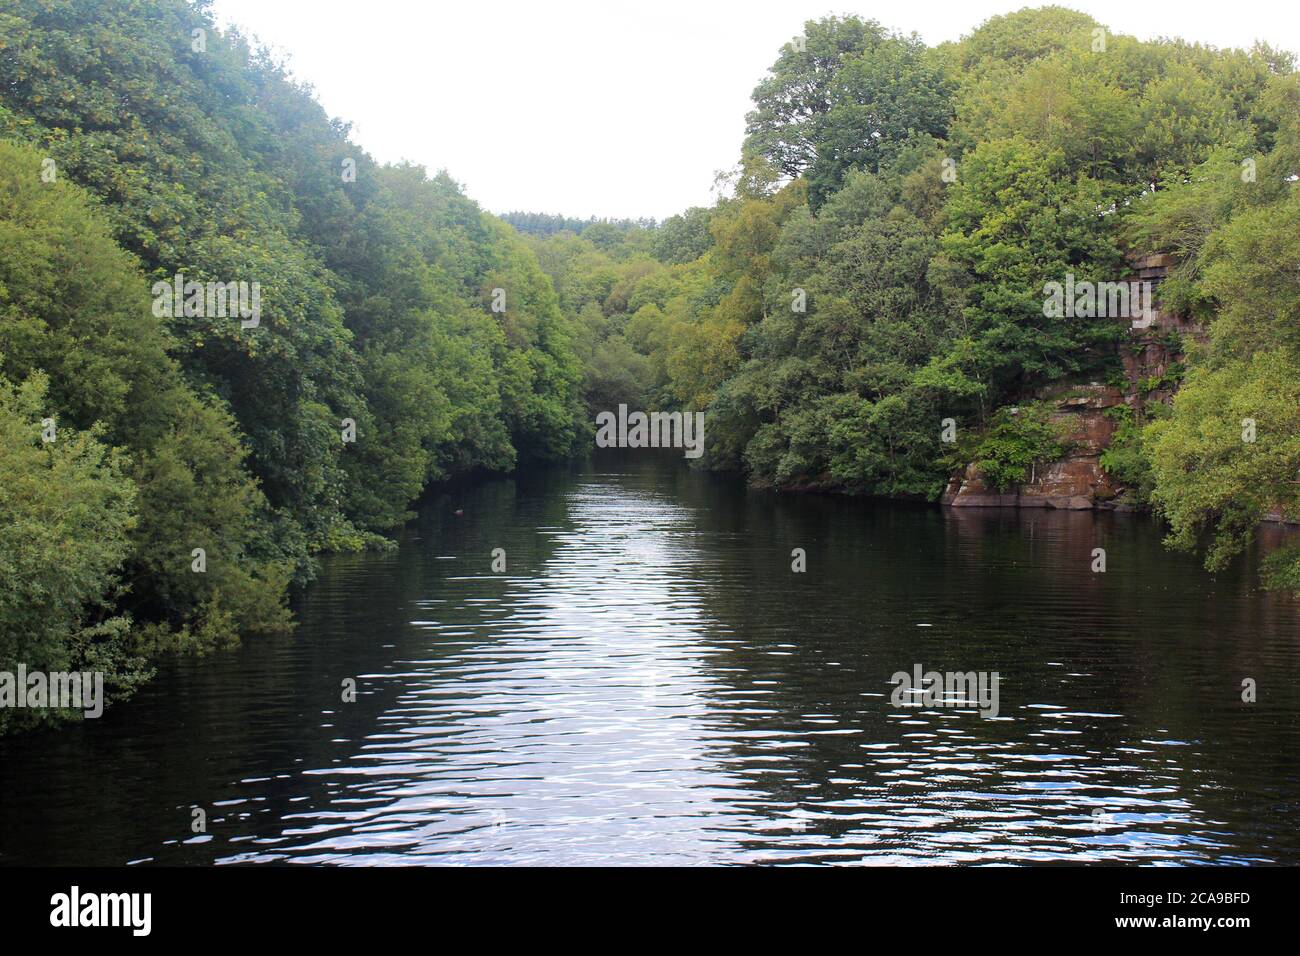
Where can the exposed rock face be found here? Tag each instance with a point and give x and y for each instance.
(968, 490)
(1277, 517)
(1154, 346)
(1075, 482)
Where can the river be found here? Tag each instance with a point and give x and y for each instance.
(649, 682)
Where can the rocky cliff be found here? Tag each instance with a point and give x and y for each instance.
(1152, 356)
(1076, 481)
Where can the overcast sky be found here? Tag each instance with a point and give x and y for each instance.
(610, 107)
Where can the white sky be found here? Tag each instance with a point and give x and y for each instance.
(612, 107)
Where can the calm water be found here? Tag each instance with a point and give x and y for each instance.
(649, 683)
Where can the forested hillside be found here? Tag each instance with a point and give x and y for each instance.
(140, 143)
(875, 269)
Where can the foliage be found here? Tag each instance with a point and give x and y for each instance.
(878, 267)
(546, 224)
(74, 311)
(1127, 458)
(1017, 439)
(1212, 483)
(379, 307)
(682, 238)
(848, 99)
(215, 164)
(68, 511)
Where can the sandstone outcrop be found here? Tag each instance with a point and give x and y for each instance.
(1151, 355)
(1075, 482)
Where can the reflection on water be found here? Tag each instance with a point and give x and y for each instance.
(648, 682)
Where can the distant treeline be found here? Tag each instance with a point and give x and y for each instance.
(544, 224)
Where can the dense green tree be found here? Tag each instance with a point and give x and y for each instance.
(393, 310)
(75, 310)
(545, 224)
(1229, 455)
(1012, 41)
(211, 162)
(68, 509)
(682, 238)
(1017, 220)
(174, 141)
(792, 101)
(847, 95)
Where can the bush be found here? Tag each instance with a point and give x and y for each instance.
(1016, 440)
(68, 510)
